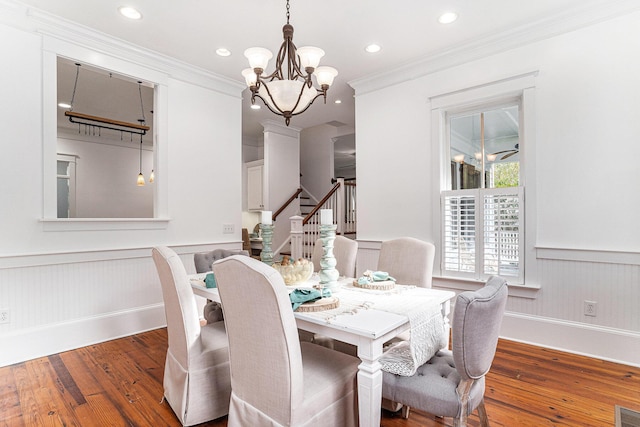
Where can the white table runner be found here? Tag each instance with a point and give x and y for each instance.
(425, 318)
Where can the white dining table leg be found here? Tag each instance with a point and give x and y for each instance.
(369, 383)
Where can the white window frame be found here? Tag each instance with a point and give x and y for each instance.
(54, 47)
(522, 88)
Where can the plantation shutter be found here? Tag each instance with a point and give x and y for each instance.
(459, 231)
(502, 242)
(482, 233)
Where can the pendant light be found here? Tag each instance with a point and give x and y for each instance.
(140, 176)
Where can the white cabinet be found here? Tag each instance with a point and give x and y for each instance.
(255, 201)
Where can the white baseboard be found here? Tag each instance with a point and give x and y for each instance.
(43, 341)
(610, 344)
(593, 341)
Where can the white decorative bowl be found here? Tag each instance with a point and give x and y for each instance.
(296, 272)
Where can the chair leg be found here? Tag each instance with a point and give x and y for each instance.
(482, 413)
(404, 411)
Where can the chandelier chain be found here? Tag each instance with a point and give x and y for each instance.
(287, 11)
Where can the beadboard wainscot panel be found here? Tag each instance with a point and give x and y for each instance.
(556, 318)
(63, 301)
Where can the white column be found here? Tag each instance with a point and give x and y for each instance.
(297, 233)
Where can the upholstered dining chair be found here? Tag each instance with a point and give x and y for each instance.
(197, 383)
(452, 383)
(276, 380)
(212, 312)
(408, 260)
(345, 251)
(203, 260)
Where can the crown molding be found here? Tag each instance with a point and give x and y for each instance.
(280, 128)
(587, 14)
(35, 20)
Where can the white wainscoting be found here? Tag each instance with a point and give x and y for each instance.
(59, 302)
(551, 314)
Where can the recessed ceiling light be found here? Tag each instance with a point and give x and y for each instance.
(223, 52)
(338, 101)
(372, 48)
(447, 17)
(129, 12)
(64, 105)
(255, 107)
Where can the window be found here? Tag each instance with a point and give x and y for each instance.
(482, 203)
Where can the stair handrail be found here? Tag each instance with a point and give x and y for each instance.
(287, 203)
(320, 204)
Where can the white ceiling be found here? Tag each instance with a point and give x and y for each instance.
(408, 30)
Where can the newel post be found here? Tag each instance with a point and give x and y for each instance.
(296, 236)
(340, 208)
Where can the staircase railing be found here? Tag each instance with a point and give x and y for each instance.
(341, 199)
(287, 203)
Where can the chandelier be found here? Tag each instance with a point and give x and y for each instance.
(287, 92)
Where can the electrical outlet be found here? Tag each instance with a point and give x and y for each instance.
(4, 315)
(228, 228)
(590, 308)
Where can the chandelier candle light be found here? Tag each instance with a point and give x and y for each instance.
(266, 231)
(287, 92)
(328, 273)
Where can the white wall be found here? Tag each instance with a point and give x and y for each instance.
(586, 136)
(316, 159)
(281, 175)
(106, 175)
(65, 289)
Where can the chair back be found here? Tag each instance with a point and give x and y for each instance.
(203, 260)
(345, 251)
(246, 241)
(264, 350)
(183, 323)
(408, 260)
(477, 318)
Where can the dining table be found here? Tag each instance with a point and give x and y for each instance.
(365, 318)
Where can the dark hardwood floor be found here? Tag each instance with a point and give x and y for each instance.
(119, 383)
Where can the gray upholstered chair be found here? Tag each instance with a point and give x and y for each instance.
(197, 381)
(203, 260)
(452, 383)
(344, 250)
(408, 260)
(276, 379)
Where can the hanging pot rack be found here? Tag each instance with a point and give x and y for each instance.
(105, 123)
(96, 122)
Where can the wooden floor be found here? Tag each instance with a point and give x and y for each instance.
(119, 383)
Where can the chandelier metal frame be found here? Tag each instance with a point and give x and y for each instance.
(288, 56)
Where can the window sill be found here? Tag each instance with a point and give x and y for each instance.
(103, 224)
(454, 283)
